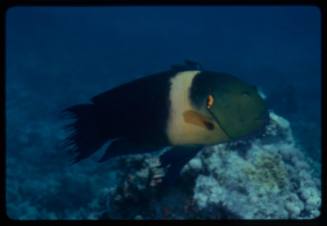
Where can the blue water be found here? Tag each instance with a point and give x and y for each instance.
(61, 56)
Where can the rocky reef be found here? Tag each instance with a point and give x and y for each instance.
(269, 176)
(265, 177)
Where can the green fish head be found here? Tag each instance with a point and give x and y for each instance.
(235, 105)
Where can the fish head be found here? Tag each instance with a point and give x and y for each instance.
(234, 105)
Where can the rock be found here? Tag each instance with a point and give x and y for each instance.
(267, 177)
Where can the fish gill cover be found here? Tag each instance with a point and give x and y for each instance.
(58, 57)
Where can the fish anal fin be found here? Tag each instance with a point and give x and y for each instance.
(122, 146)
(175, 159)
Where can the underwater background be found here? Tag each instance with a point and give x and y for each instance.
(62, 56)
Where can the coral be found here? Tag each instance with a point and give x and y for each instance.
(267, 177)
(268, 171)
(271, 181)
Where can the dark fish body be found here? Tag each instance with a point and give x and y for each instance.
(136, 110)
(133, 112)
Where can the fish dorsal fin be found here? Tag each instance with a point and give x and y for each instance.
(187, 65)
(197, 119)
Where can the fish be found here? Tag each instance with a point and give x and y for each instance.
(184, 108)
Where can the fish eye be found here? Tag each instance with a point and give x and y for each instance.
(210, 101)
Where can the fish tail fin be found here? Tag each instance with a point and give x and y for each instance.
(85, 136)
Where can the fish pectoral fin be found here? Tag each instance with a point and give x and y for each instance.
(197, 119)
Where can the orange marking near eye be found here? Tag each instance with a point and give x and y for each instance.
(210, 101)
